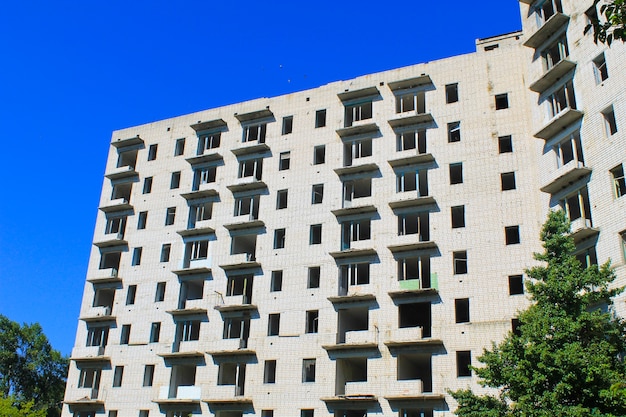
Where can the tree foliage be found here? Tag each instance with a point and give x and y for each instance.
(565, 359)
(30, 370)
(610, 24)
(10, 408)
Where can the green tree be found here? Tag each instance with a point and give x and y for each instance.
(30, 370)
(564, 360)
(610, 23)
(9, 408)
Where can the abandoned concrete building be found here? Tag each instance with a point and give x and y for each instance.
(349, 250)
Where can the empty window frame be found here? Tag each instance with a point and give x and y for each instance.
(170, 216)
(411, 139)
(115, 225)
(130, 295)
(587, 257)
(152, 152)
(148, 375)
(125, 334)
(273, 324)
(458, 216)
(89, 378)
(142, 219)
(456, 173)
(269, 372)
(281, 199)
(414, 223)
(284, 161)
(127, 159)
(414, 101)
(454, 132)
(276, 282)
(313, 277)
(415, 268)
(317, 194)
(179, 148)
(452, 93)
(159, 294)
(136, 260)
(512, 236)
(561, 99)
(207, 141)
(544, 10)
(249, 206)
(155, 332)
(507, 180)
(308, 412)
(254, 132)
(353, 274)
(144, 413)
(358, 188)
(555, 53)
(459, 262)
(251, 168)
(622, 239)
(311, 321)
(315, 234)
(110, 260)
(198, 249)
(122, 190)
(569, 149)
(358, 111)
(279, 238)
(147, 185)
(200, 211)
(188, 330)
(599, 68)
(117, 376)
(320, 118)
(610, 124)
(204, 175)
(356, 149)
(516, 284)
(355, 230)
(175, 180)
(463, 363)
(619, 183)
(267, 413)
(287, 125)
(319, 154)
(505, 144)
(97, 336)
(308, 370)
(461, 310)
(502, 101)
(412, 180)
(576, 205)
(166, 249)
(240, 285)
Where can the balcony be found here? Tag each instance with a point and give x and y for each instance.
(559, 122)
(179, 395)
(355, 339)
(112, 239)
(194, 267)
(355, 252)
(565, 175)
(364, 127)
(352, 297)
(241, 261)
(88, 398)
(108, 275)
(121, 172)
(100, 313)
(410, 244)
(230, 347)
(187, 349)
(549, 27)
(409, 390)
(89, 353)
(206, 192)
(414, 287)
(358, 389)
(227, 395)
(119, 204)
(411, 199)
(411, 157)
(553, 75)
(122, 143)
(209, 155)
(247, 148)
(581, 229)
(245, 222)
(411, 119)
(246, 184)
(203, 227)
(359, 166)
(235, 303)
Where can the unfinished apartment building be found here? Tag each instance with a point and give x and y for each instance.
(349, 250)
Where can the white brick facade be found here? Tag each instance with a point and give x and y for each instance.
(410, 282)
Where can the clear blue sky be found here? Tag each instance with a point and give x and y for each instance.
(71, 72)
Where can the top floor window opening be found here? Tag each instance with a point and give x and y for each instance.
(357, 112)
(544, 10)
(255, 132)
(411, 101)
